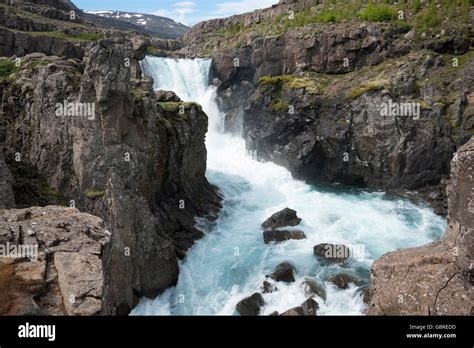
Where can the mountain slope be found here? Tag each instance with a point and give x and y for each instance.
(161, 27)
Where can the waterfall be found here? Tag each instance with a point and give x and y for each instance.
(231, 261)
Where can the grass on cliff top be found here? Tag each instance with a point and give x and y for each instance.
(81, 37)
(422, 16)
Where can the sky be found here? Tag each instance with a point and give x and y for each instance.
(187, 12)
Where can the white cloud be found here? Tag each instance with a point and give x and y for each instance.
(242, 6)
(185, 4)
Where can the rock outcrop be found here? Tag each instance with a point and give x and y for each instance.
(279, 236)
(251, 305)
(119, 153)
(435, 279)
(282, 218)
(51, 262)
(284, 273)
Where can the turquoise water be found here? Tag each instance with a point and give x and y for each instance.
(231, 261)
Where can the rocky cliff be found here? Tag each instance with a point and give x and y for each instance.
(87, 131)
(435, 279)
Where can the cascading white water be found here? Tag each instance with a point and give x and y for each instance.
(231, 261)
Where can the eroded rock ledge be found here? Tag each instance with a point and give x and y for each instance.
(435, 279)
(54, 264)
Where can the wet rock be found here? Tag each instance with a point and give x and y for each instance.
(284, 273)
(314, 287)
(307, 308)
(167, 96)
(297, 311)
(310, 307)
(279, 236)
(342, 280)
(285, 217)
(268, 287)
(332, 252)
(251, 305)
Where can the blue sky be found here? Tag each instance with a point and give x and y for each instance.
(188, 12)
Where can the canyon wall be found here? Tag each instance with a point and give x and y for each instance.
(435, 279)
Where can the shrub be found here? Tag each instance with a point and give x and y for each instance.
(7, 67)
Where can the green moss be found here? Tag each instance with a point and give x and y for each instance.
(93, 194)
(7, 67)
(274, 80)
(48, 191)
(153, 51)
(279, 105)
(374, 85)
(138, 94)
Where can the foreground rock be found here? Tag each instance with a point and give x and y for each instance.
(251, 305)
(284, 273)
(60, 270)
(435, 279)
(332, 252)
(307, 308)
(285, 217)
(279, 236)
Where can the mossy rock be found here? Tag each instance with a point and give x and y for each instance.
(374, 85)
(94, 194)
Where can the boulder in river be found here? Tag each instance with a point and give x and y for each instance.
(279, 236)
(268, 287)
(332, 252)
(284, 273)
(307, 308)
(314, 287)
(285, 217)
(342, 280)
(251, 305)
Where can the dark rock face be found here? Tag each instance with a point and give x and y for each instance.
(7, 199)
(55, 263)
(167, 96)
(331, 129)
(285, 217)
(279, 236)
(251, 305)
(332, 252)
(133, 163)
(284, 273)
(342, 280)
(435, 279)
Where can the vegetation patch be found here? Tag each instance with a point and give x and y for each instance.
(81, 37)
(93, 194)
(279, 105)
(7, 67)
(374, 85)
(381, 13)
